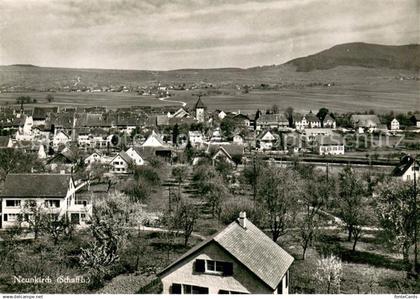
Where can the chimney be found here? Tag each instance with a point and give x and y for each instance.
(242, 219)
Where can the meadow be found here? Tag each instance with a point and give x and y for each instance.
(381, 97)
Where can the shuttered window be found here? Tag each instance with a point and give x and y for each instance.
(199, 266)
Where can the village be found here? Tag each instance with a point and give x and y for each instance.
(285, 177)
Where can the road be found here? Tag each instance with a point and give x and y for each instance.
(171, 101)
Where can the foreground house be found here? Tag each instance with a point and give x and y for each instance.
(240, 259)
(55, 193)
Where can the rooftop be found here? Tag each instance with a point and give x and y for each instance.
(33, 185)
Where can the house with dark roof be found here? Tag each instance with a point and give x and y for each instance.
(407, 169)
(415, 119)
(271, 121)
(231, 153)
(267, 140)
(329, 122)
(121, 163)
(308, 120)
(240, 259)
(53, 193)
(40, 114)
(365, 121)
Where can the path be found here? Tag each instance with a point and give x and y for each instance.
(172, 101)
(158, 229)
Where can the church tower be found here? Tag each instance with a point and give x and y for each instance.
(200, 110)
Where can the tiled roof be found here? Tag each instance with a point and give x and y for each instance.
(272, 118)
(42, 112)
(199, 104)
(310, 117)
(253, 249)
(365, 120)
(36, 185)
(231, 149)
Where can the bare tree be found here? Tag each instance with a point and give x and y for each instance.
(278, 191)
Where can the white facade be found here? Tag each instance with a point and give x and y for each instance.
(238, 139)
(15, 208)
(119, 165)
(395, 124)
(267, 141)
(60, 138)
(242, 281)
(200, 114)
(331, 149)
(195, 137)
(135, 157)
(408, 175)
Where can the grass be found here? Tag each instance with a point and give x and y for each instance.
(364, 271)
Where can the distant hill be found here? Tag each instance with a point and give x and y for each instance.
(405, 57)
(24, 65)
(345, 64)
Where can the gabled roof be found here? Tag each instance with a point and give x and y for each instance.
(405, 164)
(230, 149)
(328, 117)
(365, 120)
(310, 117)
(34, 185)
(199, 104)
(123, 156)
(264, 133)
(43, 112)
(252, 248)
(153, 140)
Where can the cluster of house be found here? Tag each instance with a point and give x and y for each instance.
(55, 135)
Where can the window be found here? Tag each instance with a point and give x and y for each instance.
(5, 218)
(82, 202)
(12, 203)
(52, 203)
(75, 218)
(12, 217)
(191, 289)
(213, 267)
(287, 279)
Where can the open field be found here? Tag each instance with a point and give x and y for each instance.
(400, 96)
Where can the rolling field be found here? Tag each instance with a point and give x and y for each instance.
(355, 88)
(381, 97)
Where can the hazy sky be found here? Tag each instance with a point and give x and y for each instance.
(170, 34)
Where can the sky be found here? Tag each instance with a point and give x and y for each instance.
(174, 34)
